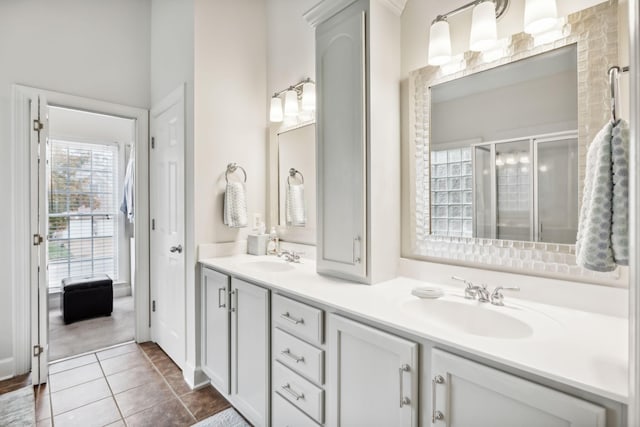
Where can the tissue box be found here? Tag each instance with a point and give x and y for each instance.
(257, 244)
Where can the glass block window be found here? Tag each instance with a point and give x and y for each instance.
(451, 192)
(83, 210)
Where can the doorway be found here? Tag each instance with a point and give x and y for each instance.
(32, 139)
(90, 215)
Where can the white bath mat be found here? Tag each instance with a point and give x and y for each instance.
(227, 418)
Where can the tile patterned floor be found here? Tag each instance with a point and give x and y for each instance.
(128, 385)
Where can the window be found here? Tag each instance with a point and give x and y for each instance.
(83, 210)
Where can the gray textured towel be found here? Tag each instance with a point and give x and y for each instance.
(295, 211)
(235, 205)
(603, 240)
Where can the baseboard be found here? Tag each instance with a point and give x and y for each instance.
(194, 378)
(6, 368)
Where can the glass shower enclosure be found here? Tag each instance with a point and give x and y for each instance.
(526, 189)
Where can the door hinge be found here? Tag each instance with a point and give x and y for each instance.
(37, 125)
(37, 239)
(153, 306)
(37, 350)
(153, 142)
(153, 224)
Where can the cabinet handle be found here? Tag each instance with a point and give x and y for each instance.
(403, 400)
(234, 293)
(286, 316)
(221, 304)
(297, 359)
(287, 388)
(435, 415)
(356, 250)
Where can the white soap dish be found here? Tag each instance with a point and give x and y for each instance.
(430, 292)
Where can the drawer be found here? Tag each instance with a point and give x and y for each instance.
(284, 414)
(301, 357)
(300, 392)
(300, 319)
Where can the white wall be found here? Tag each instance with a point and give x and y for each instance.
(92, 48)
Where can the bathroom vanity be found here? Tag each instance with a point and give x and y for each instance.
(316, 351)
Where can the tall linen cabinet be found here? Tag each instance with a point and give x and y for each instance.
(358, 137)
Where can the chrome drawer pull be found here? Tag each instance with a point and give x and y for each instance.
(286, 316)
(435, 415)
(292, 393)
(403, 400)
(287, 352)
(220, 303)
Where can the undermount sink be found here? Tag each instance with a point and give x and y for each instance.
(275, 266)
(475, 318)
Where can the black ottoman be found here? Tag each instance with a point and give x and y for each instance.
(86, 297)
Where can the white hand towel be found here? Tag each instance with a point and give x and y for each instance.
(235, 205)
(295, 211)
(603, 240)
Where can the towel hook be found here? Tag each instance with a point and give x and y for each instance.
(231, 168)
(292, 173)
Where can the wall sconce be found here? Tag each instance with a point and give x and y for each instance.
(540, 17)
(304, 91)
(483, 29)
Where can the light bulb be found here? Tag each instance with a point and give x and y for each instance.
(484, 33)
(539, 16)
(290, 103)
(499, 161)
(524, 159)
(511, 160)
(439, 43)
(275, 112)
(308, 97)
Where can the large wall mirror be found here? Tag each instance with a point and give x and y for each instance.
(500, 148)
(293, 183)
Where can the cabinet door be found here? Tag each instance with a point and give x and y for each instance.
(467, 393)
(342, 141)
(250, 351)
(372, 377)
(215, 323)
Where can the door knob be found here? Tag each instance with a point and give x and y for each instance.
(174, 249)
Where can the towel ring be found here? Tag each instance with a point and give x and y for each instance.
(231, 168)
(292, 173)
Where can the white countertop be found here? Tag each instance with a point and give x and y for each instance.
(585, 350)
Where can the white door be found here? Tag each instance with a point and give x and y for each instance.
(470, 394)
(39, 124)
(342, 143)
(372, 377)
(216, 361)
(167, 201)
(250, 351)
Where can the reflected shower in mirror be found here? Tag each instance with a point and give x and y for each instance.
(504, 151)
(297, 183)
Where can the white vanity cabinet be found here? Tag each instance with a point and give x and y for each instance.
(298, 363)
(341, 143)
(372, 376)
(235, 347)
(466, 393)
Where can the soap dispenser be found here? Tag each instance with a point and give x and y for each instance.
(272, 246)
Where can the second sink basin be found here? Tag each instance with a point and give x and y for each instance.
(475, 318)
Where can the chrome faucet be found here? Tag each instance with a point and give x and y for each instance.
(496, 296)
(290, 256)
(471, 290)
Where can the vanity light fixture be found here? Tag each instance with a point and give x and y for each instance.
(304, 91)
(524, 158)
(540, 16)
(484, 32)
(275, 112)
(483, 29)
